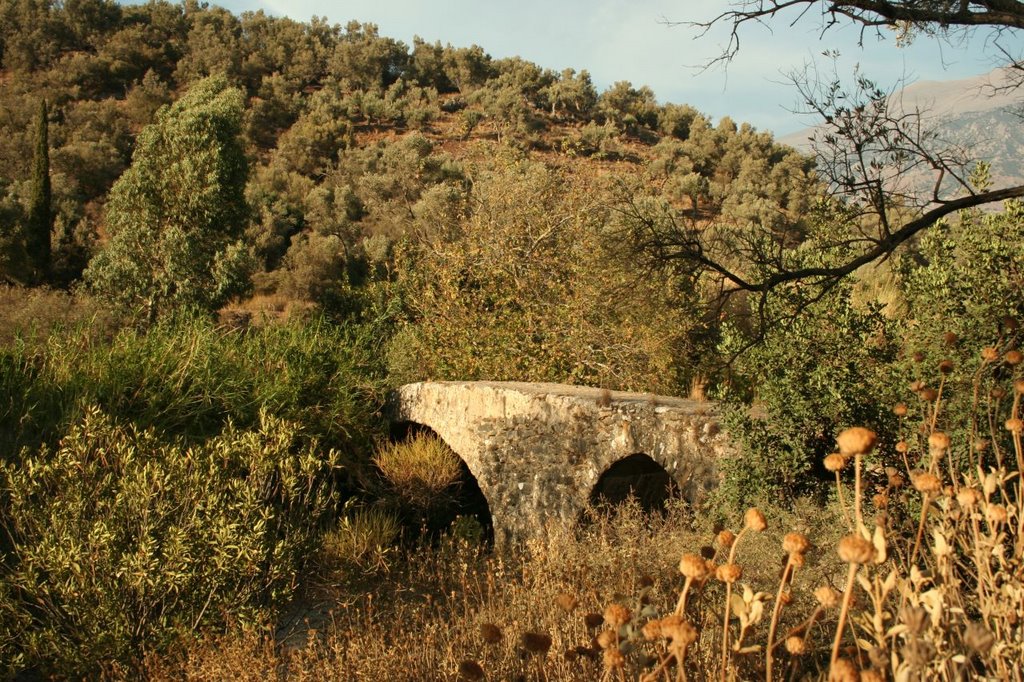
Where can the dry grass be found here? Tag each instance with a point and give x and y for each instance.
(420, 469)
(915, 574)
(432, 611)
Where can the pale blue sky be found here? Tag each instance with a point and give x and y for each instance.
(628, 40)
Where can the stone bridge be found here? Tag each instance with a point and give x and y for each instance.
(541, 452)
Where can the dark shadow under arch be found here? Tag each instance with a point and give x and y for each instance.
(467, 498)
(636, 476)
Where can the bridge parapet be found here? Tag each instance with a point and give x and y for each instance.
(538, 450)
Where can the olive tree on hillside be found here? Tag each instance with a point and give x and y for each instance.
(176, 214)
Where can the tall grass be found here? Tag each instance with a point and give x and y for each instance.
(188, 378)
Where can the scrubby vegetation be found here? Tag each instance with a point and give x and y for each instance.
(224, 238)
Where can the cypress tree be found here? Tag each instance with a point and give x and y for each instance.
(40, 214)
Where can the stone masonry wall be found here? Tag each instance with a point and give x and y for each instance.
(537, 450)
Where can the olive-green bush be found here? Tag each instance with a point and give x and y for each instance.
(121, 542)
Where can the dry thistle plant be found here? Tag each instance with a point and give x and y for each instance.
(918, 575)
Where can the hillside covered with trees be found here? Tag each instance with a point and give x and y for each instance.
(224, 239)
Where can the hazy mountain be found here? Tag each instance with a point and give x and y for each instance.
(984, 113)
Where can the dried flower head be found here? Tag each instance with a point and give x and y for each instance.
(726, 538)
(593, 620)
(795, 543)
(613, 658)
(981, 445)
(827, 596)
(835, 462)
(1018, 386)
(900, 410)
(996, 514)
(925, 483)
(796, 645)
(946, 366)
(680, 632)
(968, 498)
(754, 520)
(998, 392)
(693, 566)
(798, 561)
(979, 638)
(843, 670)
(880, 500)
(894, 478)
(939, 442)
(989, 354)
(651, 629)
(929, 394)
(1014, 425)
(729, 573)
(950, 338)
(617, 615)
(856, 440)
(902, 447)
(854, 549)
(536, 642)
(918, 356)
(490, 633)
(606, 639)
(470, 671)
(1013, 357)
(566, 601)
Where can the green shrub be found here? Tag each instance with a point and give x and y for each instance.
(122, 542)
(847, 359)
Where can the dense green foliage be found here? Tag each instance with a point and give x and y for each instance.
(122, 541)
(848, 359)
(533, 285)
(169, 480)
(174, 214)
(39, 222)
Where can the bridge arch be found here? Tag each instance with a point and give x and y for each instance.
(537, 451)
(637, 476)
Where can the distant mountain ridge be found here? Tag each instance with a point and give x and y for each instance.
(983, 113)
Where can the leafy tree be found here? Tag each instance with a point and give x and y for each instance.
(468, 67)
(175, 213)
(152, 37)
(145, 97)
(366, 60)
(628, 107)
(530, 286)
(427, 64)
(39, 223)
(573, 93)
(312, 144)
(13, 259)
(214, 44)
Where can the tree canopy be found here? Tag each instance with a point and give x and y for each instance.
(174, 215)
